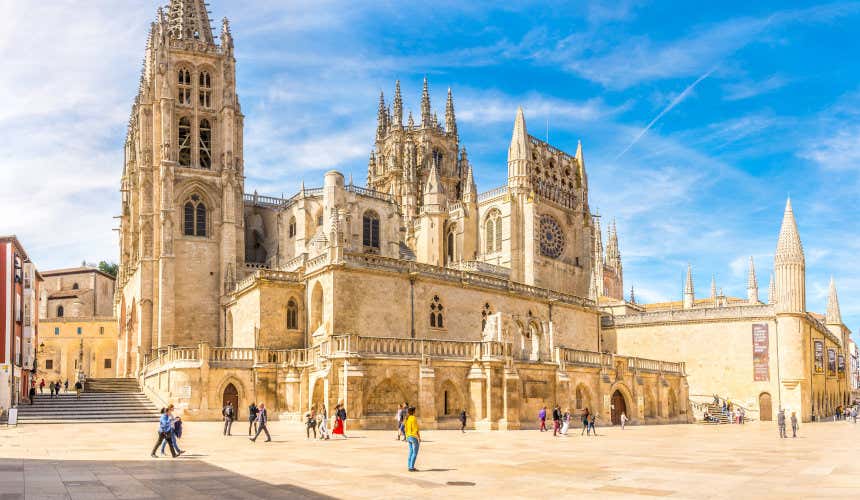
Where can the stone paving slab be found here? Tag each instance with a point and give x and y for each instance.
(94, 461)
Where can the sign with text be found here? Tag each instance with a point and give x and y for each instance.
(819, 356)
(831, 362)
(761, 361)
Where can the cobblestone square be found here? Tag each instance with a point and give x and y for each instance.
(91, 461)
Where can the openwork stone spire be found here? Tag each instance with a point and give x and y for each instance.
(426, 116)
(771, 291)
(189, 20)
(834, 316)
(398, 105)
(450, 120)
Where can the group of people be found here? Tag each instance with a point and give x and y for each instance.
(258, 420)
(561, 421)
(169, 431)
(55, 388)
(780, 423)
(318, 419)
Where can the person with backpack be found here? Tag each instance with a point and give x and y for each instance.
(262, 420)
(78, 388)
(228, 413)
(164, 429)
(173, 434)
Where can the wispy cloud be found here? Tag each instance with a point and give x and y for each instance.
(746, 89)
(677, 100)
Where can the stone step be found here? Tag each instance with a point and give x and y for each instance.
(90, 421)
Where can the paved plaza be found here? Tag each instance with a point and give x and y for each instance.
(93, 461)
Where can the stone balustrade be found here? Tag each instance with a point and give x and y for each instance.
(493, 193)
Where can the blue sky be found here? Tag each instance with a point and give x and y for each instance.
(696, 121)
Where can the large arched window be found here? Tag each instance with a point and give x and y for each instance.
(60, 311)
(493, 232)
(370, 231)
(184, 142)
(292, 315)
(205, 89)
(194, 217)
(436, 319)
(205, 152)
(184, 93)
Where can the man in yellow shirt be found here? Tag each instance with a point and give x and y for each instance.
(413, 438)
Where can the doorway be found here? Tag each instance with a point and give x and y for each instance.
(765, 407)
(618, 407)
(231, 395)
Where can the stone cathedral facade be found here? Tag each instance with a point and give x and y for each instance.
(414, 287)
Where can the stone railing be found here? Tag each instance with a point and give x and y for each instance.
(454, 206)
(476, 266)
(295, 263)
(267, 274)
(265, 201)
(577, 357)
(370, 193)
(493, 193)
(224, 354)
(653, 365)
(763, 311)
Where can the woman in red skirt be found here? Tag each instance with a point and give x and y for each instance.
(338, 421)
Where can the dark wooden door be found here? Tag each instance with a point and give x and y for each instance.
(618, 407)
(231, 395)
(765, 407)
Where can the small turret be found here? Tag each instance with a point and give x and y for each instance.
(411, 122)
(450, 121)
(771, 291)
(381, 118)
(426, 114)
(470, 190)
(689, 294)
(398, 105)
(752, 284)
(834, 316)
(434, 192)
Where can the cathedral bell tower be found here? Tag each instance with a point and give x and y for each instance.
(181, 229)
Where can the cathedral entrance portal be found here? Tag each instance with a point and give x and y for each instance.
(618, 407)
(231, 395)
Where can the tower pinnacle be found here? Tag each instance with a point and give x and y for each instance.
(426, 115)
(834, 316)
(752, 284)
(450, 121)
(689, 294)
(790, 266)
(398, 105)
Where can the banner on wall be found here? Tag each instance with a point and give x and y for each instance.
(819, 356)
(831, 362)
(841, 364)
(761, 361)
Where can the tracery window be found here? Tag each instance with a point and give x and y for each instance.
(205, 90)
(184, 93)
(184, 142)
(493, 232)
(485, 314)
(436, 318)
(292, 227)
(194, 217)
(205, 144)
(551, 237)
(60, 311)
(370, 231)
(292, 315)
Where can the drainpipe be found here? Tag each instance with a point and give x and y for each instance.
(412, 305)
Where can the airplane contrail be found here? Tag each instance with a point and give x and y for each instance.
(677, 100)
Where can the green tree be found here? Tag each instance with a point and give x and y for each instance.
(109, 267)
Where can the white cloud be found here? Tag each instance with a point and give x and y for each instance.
(746, 89)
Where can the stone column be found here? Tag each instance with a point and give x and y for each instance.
(203, 355)
(510, 400)
(427, 395)
(476, 393)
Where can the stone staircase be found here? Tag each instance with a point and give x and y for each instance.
(717, 410)
(103, 400)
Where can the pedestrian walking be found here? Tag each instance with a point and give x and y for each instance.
(67, 385)
(175, 432)
(341, 413)
(42, 387)
(413, 438)
(463, 421)
(32, 394)
(51, 388)
(78, 388)
(262, 420)
(780, 422)
(338, 422)
(400, 417)
(323, 420)
(228, 413)
(542, 419)
(565, 422)
(793, 424)
(164, 434)
(556, 420)
(623, 420)
(585, 416)
(311, 423)
(592, 419)
(252, 418)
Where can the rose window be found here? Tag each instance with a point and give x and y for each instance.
(551, 237)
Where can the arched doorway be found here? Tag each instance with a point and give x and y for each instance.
(618, 407)
(765, 407)
(231, 395)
